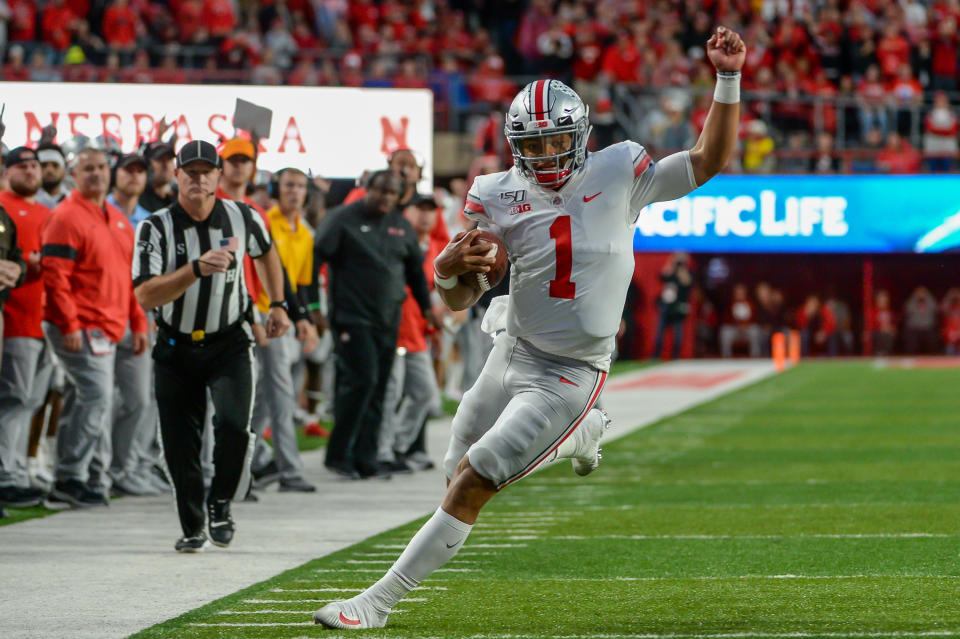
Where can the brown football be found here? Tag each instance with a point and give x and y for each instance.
(486, 281)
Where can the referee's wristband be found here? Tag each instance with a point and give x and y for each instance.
(196, 269)
(444, 282)
(727, 90)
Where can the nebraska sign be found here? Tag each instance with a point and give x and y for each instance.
(335, 132)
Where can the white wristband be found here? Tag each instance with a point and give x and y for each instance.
(444, 282)
(727, 90)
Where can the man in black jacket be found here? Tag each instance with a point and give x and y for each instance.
(373, 255)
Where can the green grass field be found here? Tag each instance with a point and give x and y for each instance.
(824, 502)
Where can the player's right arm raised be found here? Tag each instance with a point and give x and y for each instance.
(459, 257)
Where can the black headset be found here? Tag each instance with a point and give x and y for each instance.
(273, 186)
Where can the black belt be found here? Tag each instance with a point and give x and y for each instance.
(198, 338)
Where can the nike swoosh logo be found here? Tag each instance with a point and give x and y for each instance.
(222, 523)
(453, 544)
(348, 621)
(567, 381)
(587, 199)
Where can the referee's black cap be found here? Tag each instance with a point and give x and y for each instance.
(198, 151)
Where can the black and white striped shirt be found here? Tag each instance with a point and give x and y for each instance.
(170, 239)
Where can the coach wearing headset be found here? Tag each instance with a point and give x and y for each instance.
(188, 263)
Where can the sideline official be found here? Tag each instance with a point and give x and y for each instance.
(189, 263)
(373, 255)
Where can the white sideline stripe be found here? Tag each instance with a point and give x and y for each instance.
(726, 635)
(508, 529)
(379, 570)
(316, 590)
(390, 561)
(250, 625)
(462, 553)
(467, 545)
(343, 590)
(815, 536)
(734, 577)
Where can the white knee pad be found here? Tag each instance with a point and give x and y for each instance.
(505, 450)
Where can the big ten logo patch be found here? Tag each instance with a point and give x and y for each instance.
(519, 208)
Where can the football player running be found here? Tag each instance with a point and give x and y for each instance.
(567, 221)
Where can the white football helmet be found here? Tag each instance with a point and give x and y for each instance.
(545, 108)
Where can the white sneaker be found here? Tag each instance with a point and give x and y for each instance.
(352, 614)
(587, 458)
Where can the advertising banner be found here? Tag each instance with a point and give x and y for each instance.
(808, 214)
(335, 132)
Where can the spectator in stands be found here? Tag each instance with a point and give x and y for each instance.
(843, 335)
(53, 166)
(758, 149)
(872, 97)
(883, 325)
(950, 308)
(121, 26)
(907, 96)
(159, 193)
(817, 326)
(40, 70)
(795, 158)
(56, 25)
(87, 252)
(941, 127)
(943, 62)
(898, 156)
(667, 129)
(920, 322)
(873, 145)
(824, 160)
(769, 314)
(673, 303)
(25, 366)
(740, 324)
(23, 22)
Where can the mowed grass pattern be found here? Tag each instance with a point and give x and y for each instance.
(823, 502)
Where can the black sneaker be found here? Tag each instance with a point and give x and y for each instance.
(297, 485)
(377, 472)
(19, 497)
(69, 492)
(220, 523)
(263, 477)
(343, 473)
(398, 466)
(94, 497)
(195, 543)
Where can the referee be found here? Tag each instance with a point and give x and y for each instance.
(188, 262)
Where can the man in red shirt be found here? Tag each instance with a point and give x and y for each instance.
(26, 366)
(120, 26)
(412, 391)
(57, 24)
(87, 253)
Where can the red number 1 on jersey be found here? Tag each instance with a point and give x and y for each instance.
(562, 287)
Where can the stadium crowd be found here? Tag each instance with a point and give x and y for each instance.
(838, 86)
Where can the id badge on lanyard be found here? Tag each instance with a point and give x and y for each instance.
(99, 343)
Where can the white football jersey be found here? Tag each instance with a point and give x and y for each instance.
(571, 249)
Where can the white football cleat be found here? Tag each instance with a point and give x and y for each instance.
(591, 430)
(351, 614)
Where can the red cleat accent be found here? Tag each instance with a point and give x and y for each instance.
(313, 429)
(347, 620)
